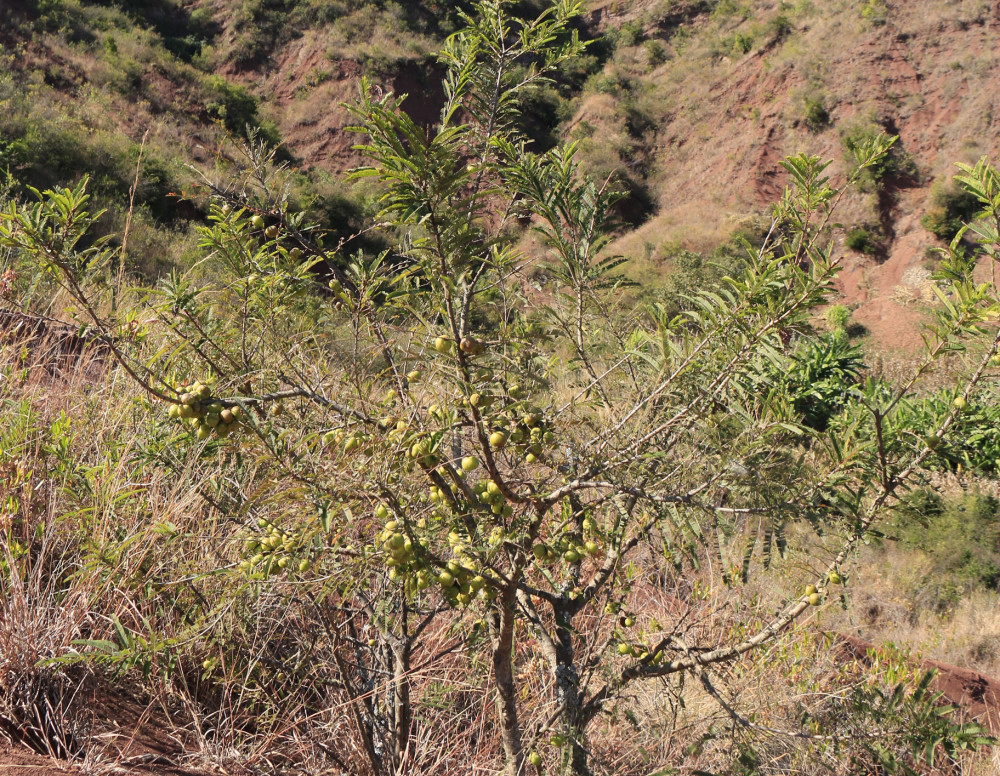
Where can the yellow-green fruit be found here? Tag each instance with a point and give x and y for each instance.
(571, 556)
(237, 412)
(629, 622)
(535, 759)
(540, 551)
(470, 463)
(932, 441)
(271, 232)
(186, 411)
(624, 649)
(815, 599)
(960, 403)
(557, 740)
(835, 578)
(257, 222)
(277, 409)
(203, 392)
(592, 548)
(174, 412)
(498, 439)
(351, 444)
(283, 563)
(212, 420)
(204, 432)
(295, 254)
(330, 438)
(303, 566)
(381, 512)
(810, 589)
(530, 458)
(472, 346)
(442, 345)
(445, 579)
(414, 376)
(396, 541)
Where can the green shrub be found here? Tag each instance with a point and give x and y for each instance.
(859, 239)
(838, 316)
(656, 52)
(816, 114)
(952, 208)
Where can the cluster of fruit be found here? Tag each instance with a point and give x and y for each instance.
(489, 492)
(205, 415)
(468, 345)
(351, 442)
(459, 581)
(273, 552)
(527, 434)
(566, 548)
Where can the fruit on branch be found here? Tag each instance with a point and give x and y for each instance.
(472, 346)
(257, 222)
(442, 345)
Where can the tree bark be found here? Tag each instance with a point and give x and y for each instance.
(502, 627)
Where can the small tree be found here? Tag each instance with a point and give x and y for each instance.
(470, 428)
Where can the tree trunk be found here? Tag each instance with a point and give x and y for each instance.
(562, 661)
(402, 712)
(502, 627)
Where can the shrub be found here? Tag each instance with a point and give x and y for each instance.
(816, 114)
(951, 209)
(859, 239)
(443, 460)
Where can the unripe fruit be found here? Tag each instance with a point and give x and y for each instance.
(815, 599)
(810, 589)
(470, 463)
(174, 412)
(396, 541)
(257, 222)
(498, 439)
(382, 512)
(204, 432)
(442, 345)
(960, 403)
(531, 458)
(283, 563)
(535, 759)
(629, 622)
(571, 556)
(227, 417)
(414, 376)
(203, 392)
(277, 409)
(540, 551)
(271, 232)
(624, 649)
(835, 578)
(445, 579)
(303, 567)
(295, 254)
(592, 547)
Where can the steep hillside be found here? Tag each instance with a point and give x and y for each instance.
(692, 103)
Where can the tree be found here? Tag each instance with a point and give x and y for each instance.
(474, 427)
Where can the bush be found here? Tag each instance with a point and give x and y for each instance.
(952, 208)
(816, 114)
(859, 239)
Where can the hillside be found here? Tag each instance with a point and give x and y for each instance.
(692, 104)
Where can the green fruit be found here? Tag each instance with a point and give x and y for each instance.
(540, 551)
(351, 444)
(535, 759)
(283, 562)
(835, 578)
(204, 432)
(271, 232)
(257, 222)
(932, 441)
(445, 579)
(414, 376)
(303, 566)
(382, 512)
(186, 411)
(277, 409)
(624, 649)
(571, 556)
(174, 412)
(592, 547)
(815, 599)
(530, 458)
(470, 463)
(295, 254)
(237, 412)
(960, 403)
(442, 345)
(629, 622)
(498, 439)
(212, 421)
(203, 392)
(810, 589)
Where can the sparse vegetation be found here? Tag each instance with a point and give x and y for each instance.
(414, 479)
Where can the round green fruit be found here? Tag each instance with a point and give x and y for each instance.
(592, 547)
(257, 222)
(442, 345)
(470, 463)
(204, 432)
(629, 622)
(303, 566)
(535, 759)
(445, 579)
(540, 551)
(810, 589)
(498, 439)
(571, 556)
(960, 403)
(295, 254)
(414, 376)
(815, 599)
(271, 232)
(624, 649)
(835, 578)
